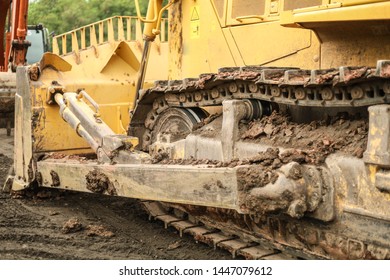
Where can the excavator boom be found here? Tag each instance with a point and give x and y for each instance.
(15, 44)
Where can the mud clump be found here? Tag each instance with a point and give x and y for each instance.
(55, 179)
(253, 177)
(309, 142)
(265, 158)
(160, 157)
(34, 73)
(354, 74)
(98, 182)
(264, 205)
(327, 77)
(71, 226)
(206, 121)
(39, 194)
(56, 156)
(294, 155)
(98, 230)
(74, 225)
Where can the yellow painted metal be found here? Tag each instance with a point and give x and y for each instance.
(103, 59)
(356, 2)
(151, 18)
(350, 33)
(152, 11)
(211, 40)
(301, 51)
(52, 60)
(150, 182)
(327, 35)
(337, 12)
(202, 46)
(250, 17)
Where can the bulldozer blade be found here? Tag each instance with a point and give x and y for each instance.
(216, 187)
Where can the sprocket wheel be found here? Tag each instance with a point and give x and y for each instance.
(176, 123)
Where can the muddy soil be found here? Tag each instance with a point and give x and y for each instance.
(50, 224)
(314, 140)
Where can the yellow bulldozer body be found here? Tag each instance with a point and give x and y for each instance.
(309, 56)
(102, 59)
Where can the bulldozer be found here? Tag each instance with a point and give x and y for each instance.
(260, 126)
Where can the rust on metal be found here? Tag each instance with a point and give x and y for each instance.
(175, 38)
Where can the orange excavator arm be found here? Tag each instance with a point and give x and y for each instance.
(4, 8)
(14, 35)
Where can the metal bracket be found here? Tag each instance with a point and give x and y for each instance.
(378, 147)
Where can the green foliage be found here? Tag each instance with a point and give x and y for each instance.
(64, 15)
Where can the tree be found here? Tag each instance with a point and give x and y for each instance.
(60, 16)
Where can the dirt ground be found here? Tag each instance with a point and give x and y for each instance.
(51, 224)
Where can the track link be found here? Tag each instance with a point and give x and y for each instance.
(215, 238)
(342, 87)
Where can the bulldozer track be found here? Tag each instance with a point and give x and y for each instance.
(215, 238)
(345, 87)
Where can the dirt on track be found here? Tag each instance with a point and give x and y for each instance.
(52, 224)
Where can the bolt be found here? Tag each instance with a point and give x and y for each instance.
(300, 94)
(253, 88)
(182, 98)
(198, 96)
(233, 88)
(357, 93)
(155, 105)
(275, 91)
(215, 93)
(327, 94)
(386, 87)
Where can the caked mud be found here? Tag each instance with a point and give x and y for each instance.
(309, 142)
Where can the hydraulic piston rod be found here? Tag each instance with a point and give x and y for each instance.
(88, 124)
(74, 122)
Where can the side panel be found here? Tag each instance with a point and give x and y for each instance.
(202, 46)
(354, 33)
(205, 36)
(261, 40)
(272, 44)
